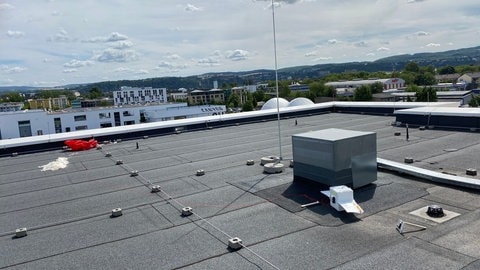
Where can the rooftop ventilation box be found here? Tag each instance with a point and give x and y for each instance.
(335, 157)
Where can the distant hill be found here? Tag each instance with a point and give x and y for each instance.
(466, 56)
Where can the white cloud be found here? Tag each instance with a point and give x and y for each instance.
(77, 63)
(69, 70)
(209, 61)
(361, 44)
(5, 6)
(422, 33)
(323, 58)
(192, 8)
(61, 36)
(122, 69)
(56, 13)
(383, 49)
(115, 55)
(432, 45)
(332, 41)
(15, 34)
(310, 54)
(142, 71)
(114, 36)
(237, 55)
(124, 44)
(10, 70)
(173, 56)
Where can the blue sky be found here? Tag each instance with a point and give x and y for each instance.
(57, 42)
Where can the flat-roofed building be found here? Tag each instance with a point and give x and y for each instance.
(136, 95)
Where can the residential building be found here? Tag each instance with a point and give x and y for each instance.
(11, 106)
(136, 95)
(49, 104)
(206, 96)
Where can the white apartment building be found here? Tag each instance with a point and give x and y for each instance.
(136, 95)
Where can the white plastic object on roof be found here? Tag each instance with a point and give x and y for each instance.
(272, 103)
(300, 102)
(341, 198)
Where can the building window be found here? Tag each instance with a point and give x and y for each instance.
(58, 125)
(103, 115)
(126, 123)
(81, 127)
(39, 132)
(105, 125)
(80, 118)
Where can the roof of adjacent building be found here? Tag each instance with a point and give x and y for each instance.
(67, 212)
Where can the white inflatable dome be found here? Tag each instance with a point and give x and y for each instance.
(300, 102)
(272, 103)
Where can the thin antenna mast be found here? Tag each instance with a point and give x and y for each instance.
(276, 78)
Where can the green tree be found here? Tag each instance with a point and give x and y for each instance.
(259, 95)
(446, 70)
(412, 67)
(425, 79)
(247, 106)
(376, 87)
(94, 93)
(426, 94)
(473, 102)
(13, 97)
(233, 100)
(363, 93)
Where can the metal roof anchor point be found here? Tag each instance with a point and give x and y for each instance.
(401, 226)
(155, 188)
(116, 212)
(187, 211)
(235, 243)
(341, 198)
(20, 232)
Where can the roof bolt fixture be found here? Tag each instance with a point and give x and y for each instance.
(14, 154)
(21, 232)
(408, 160)
(108, 154)
(200, 172)
(156, 188)
(134, 173)
(187, 211)
(250, 162)
(235, 243)
(119, 162)
(116, 212)
(291, 163)
(397, 133)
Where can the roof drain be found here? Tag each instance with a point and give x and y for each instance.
(235, 243)
(273, 168)
(435, 211)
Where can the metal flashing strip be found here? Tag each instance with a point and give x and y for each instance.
(428, 174)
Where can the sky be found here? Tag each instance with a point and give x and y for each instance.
(47, 43)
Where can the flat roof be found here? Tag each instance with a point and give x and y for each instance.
(67, 212)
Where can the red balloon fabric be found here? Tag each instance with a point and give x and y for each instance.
(80, 145)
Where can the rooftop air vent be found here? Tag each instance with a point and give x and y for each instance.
(21, 232)
(471, 172)
(435, 211)
(273, 168)
(235, 243)
(116, 212)
(269, 159)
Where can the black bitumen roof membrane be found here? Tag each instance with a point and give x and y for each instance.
(67, 212)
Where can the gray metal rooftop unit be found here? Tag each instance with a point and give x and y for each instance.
(335, 157)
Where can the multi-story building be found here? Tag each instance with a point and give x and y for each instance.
(206, 96)
(136, 95)
(11, 107)
(388, 84)
(28, 123)
(50, 104)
